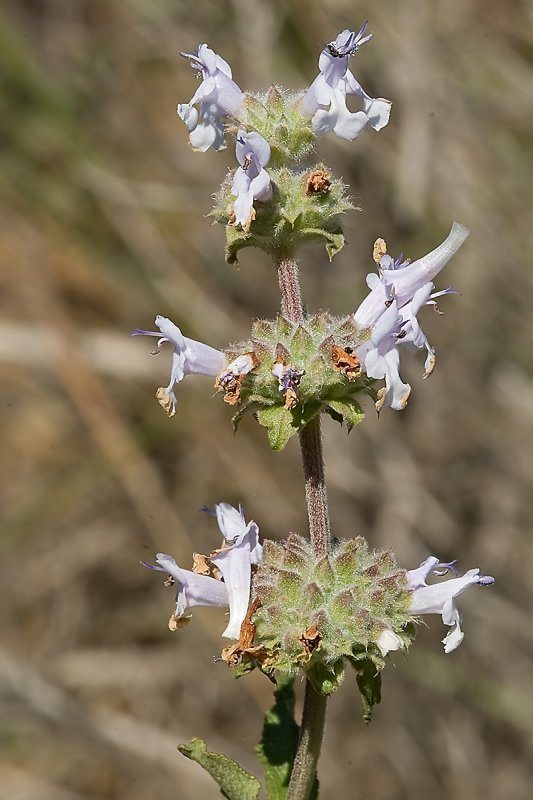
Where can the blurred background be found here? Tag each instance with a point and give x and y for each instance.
(104, 225)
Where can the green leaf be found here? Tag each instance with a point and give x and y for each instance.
(335, 244)
(369, 683)
(234, 782)
(326, 679)
(281, 423)
(349, 409)
(251, 406)
(334, 240)
(278, 744)
(333, 414)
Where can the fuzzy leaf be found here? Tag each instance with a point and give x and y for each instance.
(301, 344)
(281, 423)
(333, 414)
(335, 244)
(251, 406)
(369, 683)
(278, 744)
(326, 680)
(349, 410)
(234, 782)
(334, 239)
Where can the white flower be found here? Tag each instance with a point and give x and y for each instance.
(251, 181)
(234, 561)
(397, 293)
(325, 100)
(388, 641)
(189, 357)
(218, 96)
(439, 598)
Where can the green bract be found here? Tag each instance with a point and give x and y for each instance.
(306, 207)
(317, 612)
(277, 115)
(321, 352)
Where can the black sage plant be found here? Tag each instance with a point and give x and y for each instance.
(316, 607)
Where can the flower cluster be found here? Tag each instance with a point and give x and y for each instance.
(265, 203)
(290, 609)
(331, 353)
(397, 293)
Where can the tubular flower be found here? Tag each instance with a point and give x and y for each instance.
(218, 96)
(439, 598)
(397, 293)
(234, 564)
(251, 181)
(189, 357)
(325, 100)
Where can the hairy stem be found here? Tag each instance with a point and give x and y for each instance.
(289, 284)
(311, 732)
(314, 711)
(315, 487)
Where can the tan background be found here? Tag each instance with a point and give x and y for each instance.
(104, 226)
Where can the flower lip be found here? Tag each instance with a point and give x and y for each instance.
(325, 100)
(218, 96)
(439, 598)
(188, 357)
(348, 43)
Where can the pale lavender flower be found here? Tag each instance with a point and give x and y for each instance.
(218, 96)
(189, 357)
(232, 524)
(251, 181)
(381, 358)
(234, 561)
(192, 589)
(325, 99)
(388, 641)
(439, 598)
(397, 293)
(402, 280)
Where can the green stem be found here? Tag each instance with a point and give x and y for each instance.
(314, 711)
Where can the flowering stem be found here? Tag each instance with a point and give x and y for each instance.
(289, 284)
(309, 744)
(314, 711)
(315, 487)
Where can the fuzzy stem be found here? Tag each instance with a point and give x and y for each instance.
(289, 284)
(311, 732)
(315, 487)
(314, 711)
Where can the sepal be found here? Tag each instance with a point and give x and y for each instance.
(277, 115)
